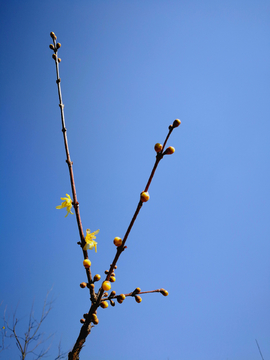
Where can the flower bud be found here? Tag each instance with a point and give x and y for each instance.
(170, 150)
(105, 294)
(145, 196)
(83, 285)
(54, 56)
(86, 263)
(95, 319)
(53, 36)
(104, 304)
(92, 286)
(112, 279)
(117, 241)
(58, 45)
(138, 290)
(119, 300)
(122, 296)
(106, 272)
(51, 46)
(59, 60)
(113, 293)
(97, 277)
(82, 321)
(164, 292)
(113, 273)
(158, 147)
(106, 285)
(112, 302)
(138, 299)
(176, 123)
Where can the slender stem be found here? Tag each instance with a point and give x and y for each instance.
(70, 167)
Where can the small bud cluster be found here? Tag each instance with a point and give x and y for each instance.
(55, 47)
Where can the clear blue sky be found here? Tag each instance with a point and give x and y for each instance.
(128, 69)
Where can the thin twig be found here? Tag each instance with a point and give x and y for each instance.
(259, 349)
(70, 167)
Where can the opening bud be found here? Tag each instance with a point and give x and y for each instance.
(145, 196)
(117, 241)
(106, 285)
(86, 263)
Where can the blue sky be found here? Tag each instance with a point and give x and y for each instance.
(128, 69)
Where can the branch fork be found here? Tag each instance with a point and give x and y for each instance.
(100, 298)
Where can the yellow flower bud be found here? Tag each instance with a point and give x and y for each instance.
(158, 147)
(86, 263)
(83, 285)
(51, 46)
(53, 36)
(112, 279)
(59, 60)
(54, 56)
(119, 300)
(82, 321)
(176, 123)
(104, 304)
(138, 299)
(170, 150)
(106, 285)
(95, 319)
(122, 296)
(164, 292)
(97, 277)
(117, 241)
(113, 293)
(145, 196)
(58, 45)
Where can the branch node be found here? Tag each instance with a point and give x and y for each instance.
(58, 81)
(70, 163)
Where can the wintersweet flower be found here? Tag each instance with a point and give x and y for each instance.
(89, 239)
(67, 203)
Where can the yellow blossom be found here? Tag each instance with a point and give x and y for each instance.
(66, 203)
(89, 239)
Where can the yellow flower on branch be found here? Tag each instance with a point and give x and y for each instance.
(89, 239)
(66, 203)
